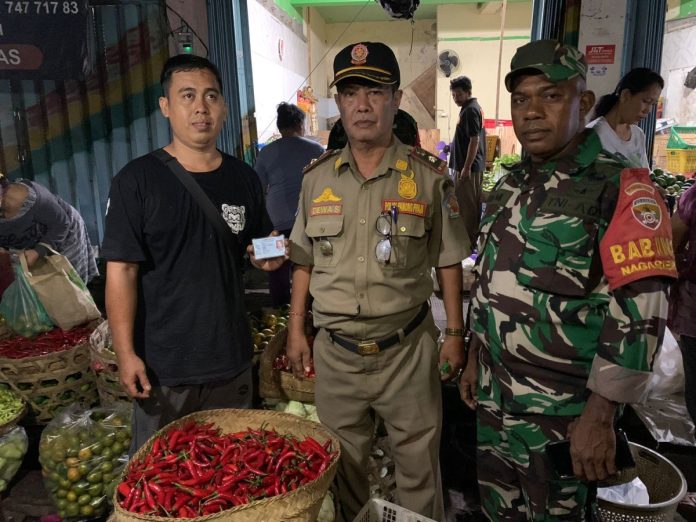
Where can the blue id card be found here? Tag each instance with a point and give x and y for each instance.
(268, 247)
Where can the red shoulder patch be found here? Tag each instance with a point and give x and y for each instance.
(638, 241)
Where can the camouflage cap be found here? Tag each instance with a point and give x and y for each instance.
(555, 61)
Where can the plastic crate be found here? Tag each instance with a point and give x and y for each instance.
(378, 510)
(681, 161)
(681, 150)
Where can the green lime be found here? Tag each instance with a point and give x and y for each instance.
(94, 477)
(107, 453)
(72, 510)
(86, 511)
(65, 483)
(117, 448)
(83, 500)
(80, 487)
(61, 493)
(95, 490)
(106, 466)
(84, 468)
(61, 504)
(71, 496)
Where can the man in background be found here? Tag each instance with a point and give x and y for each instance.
(468, 155)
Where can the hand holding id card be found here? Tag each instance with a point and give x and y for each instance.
(269, 247)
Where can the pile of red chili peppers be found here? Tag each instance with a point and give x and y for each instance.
(194, 471)
(48, 342)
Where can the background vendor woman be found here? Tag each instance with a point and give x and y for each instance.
(30, 215)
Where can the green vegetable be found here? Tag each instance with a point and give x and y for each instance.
(11, 405)
(13, 447)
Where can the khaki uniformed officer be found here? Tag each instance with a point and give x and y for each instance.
(373, 219)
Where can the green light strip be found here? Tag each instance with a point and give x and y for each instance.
(481, 38)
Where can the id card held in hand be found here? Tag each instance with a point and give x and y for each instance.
(268, 247)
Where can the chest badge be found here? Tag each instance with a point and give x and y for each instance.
(327, 196)
(407, 187)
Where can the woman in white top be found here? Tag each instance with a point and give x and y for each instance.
(616, 115)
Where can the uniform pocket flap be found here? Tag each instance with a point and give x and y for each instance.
(324, 227)
(412, 226)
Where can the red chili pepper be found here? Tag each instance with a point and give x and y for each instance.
(124, 489)
(284, 458)
(199, 480)
(148, 496)
(194, 492)
(128, 502)
(182, 501)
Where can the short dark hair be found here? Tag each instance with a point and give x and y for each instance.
(461, 82)
(289, 116)
(186, 62)
(636, 80)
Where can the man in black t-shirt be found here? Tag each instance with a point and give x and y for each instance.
(174, 291)
(468, 155)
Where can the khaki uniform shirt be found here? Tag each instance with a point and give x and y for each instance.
(353, 293)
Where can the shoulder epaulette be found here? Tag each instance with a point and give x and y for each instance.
(432, 161)
(321, 159)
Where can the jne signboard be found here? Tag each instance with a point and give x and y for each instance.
(43, 39)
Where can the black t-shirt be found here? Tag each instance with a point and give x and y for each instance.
(469, 126)
(191, 325)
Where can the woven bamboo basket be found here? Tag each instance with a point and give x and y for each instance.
(300, 505)
(50, 382)
(105, 368)
(278, 384)
(109, 386)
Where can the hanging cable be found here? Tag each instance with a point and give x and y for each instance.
(500, 61)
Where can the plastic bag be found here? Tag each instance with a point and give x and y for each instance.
(633, 493)
(82, 453)
(13, 447)
(668, 370)
(22, 310)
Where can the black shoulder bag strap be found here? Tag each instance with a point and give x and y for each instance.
(199, 197)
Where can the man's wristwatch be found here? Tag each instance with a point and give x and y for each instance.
(455, 332)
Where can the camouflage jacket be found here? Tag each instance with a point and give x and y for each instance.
(552, 329)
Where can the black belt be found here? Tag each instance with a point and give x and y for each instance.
(376, 346)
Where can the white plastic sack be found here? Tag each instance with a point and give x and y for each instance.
(668, 370)
(634, 493)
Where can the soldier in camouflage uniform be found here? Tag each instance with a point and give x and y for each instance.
(570, 301)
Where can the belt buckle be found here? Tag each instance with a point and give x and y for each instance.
(368, 348)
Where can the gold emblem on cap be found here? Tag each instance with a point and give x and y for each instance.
(358, 55)
(407, 187)
(327, 196)
(401, 164)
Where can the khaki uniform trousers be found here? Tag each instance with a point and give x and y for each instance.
(400, 384)
(468, 192)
